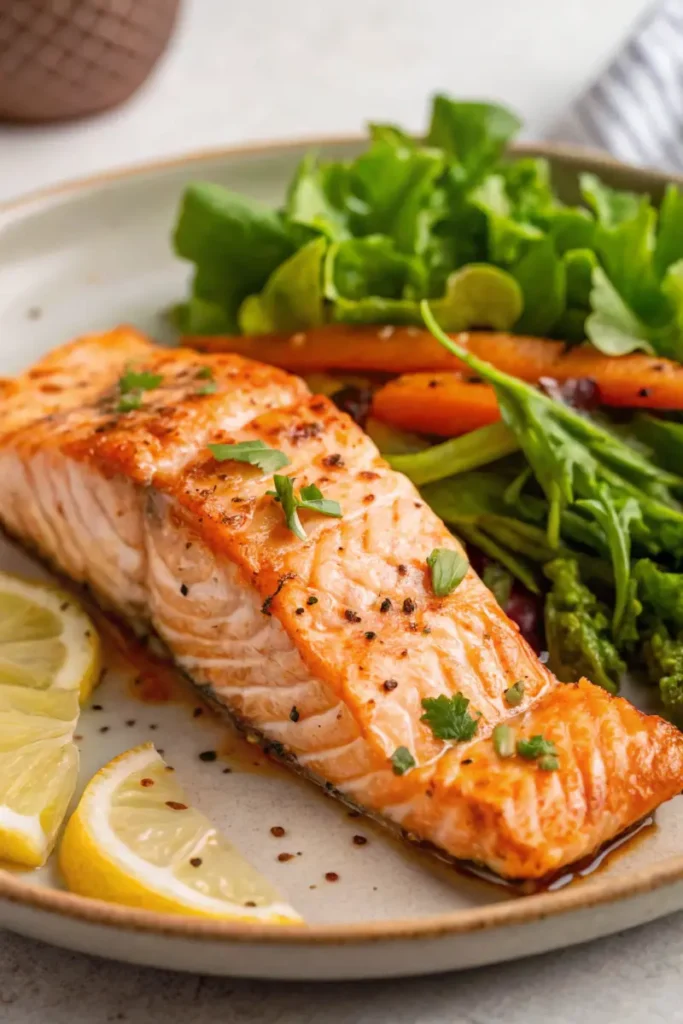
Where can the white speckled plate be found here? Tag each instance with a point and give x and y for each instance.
(86, 257)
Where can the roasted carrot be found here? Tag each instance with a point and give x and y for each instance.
(436, 403)
(634, 380)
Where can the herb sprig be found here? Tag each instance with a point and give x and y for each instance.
(131, 386)
(448, 717)
(310, 499)
(255, 453)
(448, 569)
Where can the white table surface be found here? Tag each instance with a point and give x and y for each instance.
(270, 69)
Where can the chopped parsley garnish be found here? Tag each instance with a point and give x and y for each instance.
(131, 386)
(209, 388)
(515, 694)
(448, 569)
(535, 747)
(402, 760)
(310, 499)
(448, 717)
(256, 453)
(504, 741)
(206, 373)
(549, 763)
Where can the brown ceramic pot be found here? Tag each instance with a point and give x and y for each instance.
(69, 58)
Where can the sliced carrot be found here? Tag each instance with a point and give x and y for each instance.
(436, 403)
(634, 380)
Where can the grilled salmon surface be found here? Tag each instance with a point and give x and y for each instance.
(325, 647)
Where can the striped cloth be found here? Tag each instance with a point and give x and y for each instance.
(634, 110)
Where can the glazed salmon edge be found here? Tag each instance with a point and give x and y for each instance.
(134, 504)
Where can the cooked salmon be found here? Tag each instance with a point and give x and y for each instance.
(324, 647)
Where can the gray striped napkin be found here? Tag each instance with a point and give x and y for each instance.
(634, 110)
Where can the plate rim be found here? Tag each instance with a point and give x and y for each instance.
(523, 910)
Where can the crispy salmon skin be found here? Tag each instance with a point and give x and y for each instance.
(326, 646)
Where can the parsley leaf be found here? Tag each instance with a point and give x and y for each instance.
(402, 761)
(255, 453)
(448, 717)
(143, 381)
(209, 388)
(535, 747)
(448, 568)
(311, 499)
(205, 373)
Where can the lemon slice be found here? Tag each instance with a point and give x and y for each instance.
(49, 657)
(134, 839)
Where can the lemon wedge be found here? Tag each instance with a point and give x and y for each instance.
(135, 840)
(49, 657)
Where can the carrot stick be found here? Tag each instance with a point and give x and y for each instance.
(634, 380)
(436, 403)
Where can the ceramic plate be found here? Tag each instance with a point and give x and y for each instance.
(94, 254)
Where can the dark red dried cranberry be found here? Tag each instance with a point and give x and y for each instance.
(355, 401)
(578, 392)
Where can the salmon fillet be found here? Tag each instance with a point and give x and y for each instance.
(324, 647)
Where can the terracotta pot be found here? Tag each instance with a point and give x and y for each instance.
(68, 58)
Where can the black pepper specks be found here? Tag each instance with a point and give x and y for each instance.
(644, 393)
(351, 616)
(184, 589)
(208, 755)
(369, 635)
(389, 684)
(294, 715)
(385, 606)
(299, 611)
(409, 606)
(402, 570)
(312, 600)
(196, 862)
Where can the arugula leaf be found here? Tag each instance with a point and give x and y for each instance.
(534, 747)
(402, 761)
(571, 456)
(235, 243)
(448, 717)
(292, 299)
(448, 569)
(369, 281)
(613, 327)
(615, 522)
(577, 630)
(256, 453)
(311, 499)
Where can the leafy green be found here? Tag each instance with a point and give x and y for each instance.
(448, 717)
(669, 244)
(475, 134)
(541, 275)
(448, 569)
(235, 243)
(402, 761)
(256, 453)
(577, 629)
(573, 457)
(615, 522)
(460, 454)
(292, 297)
(310, 499)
